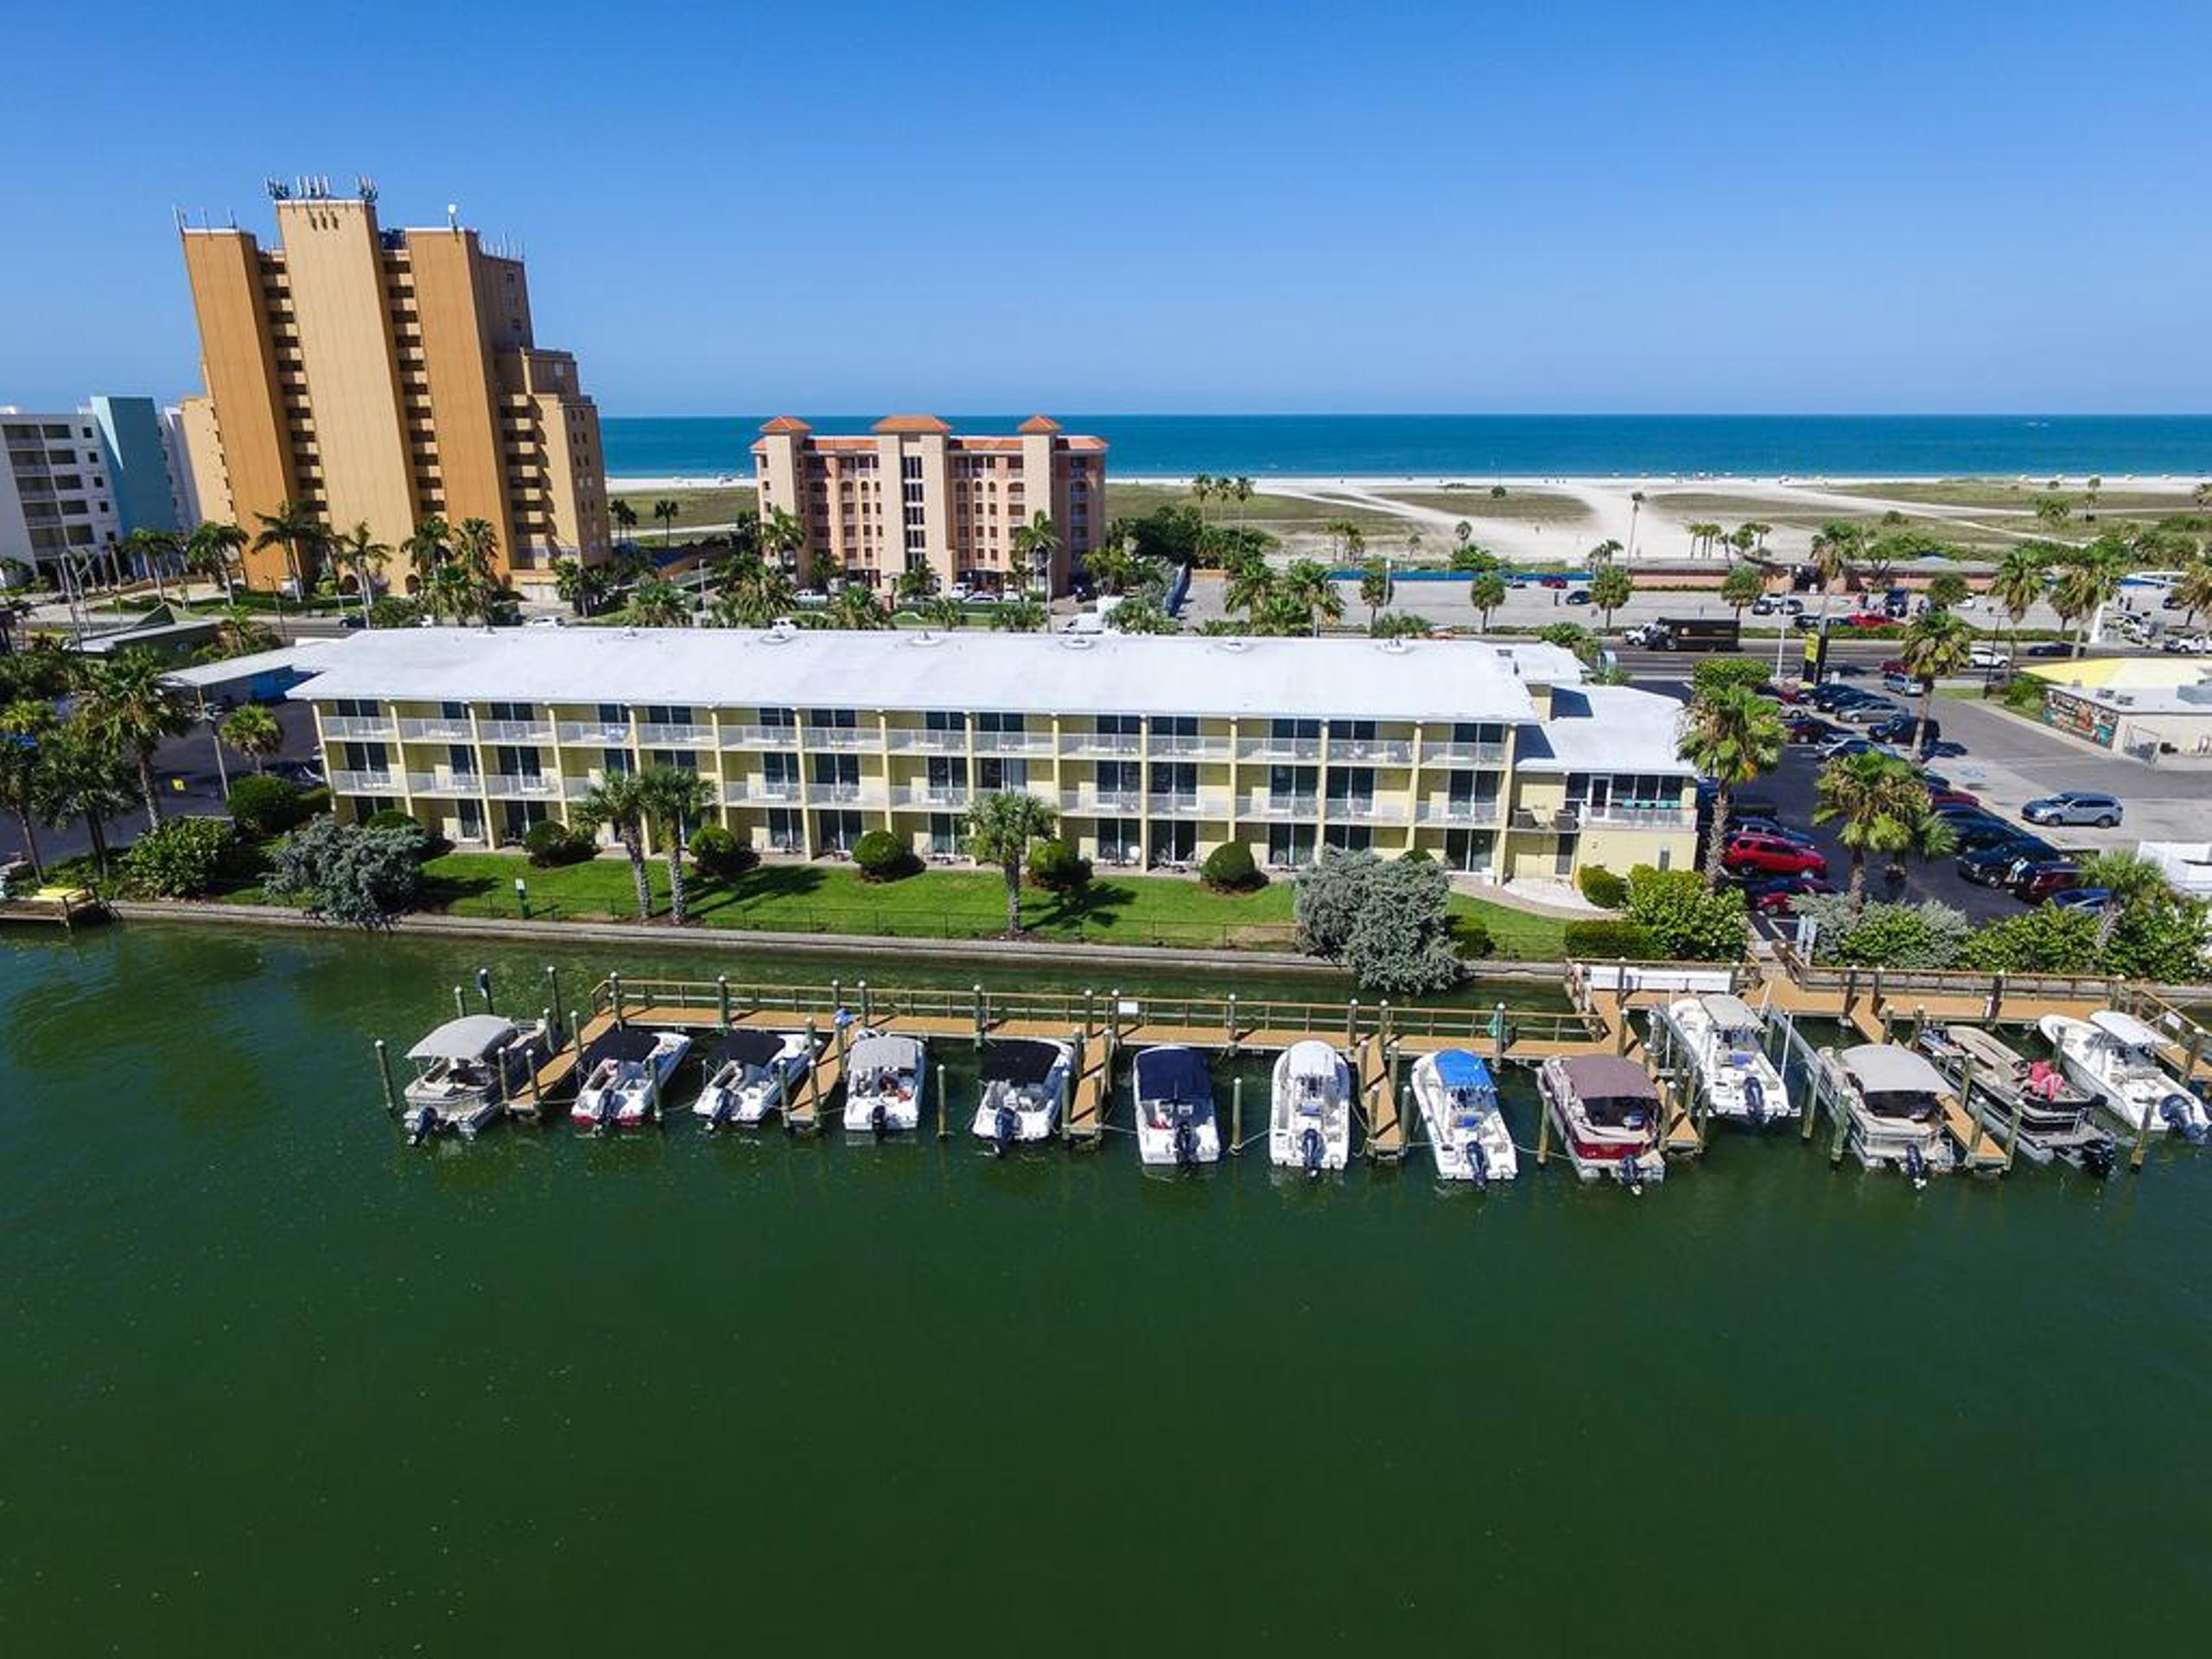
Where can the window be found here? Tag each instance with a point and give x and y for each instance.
(837, 769)
(1351, 785)
(1290, 845)
(615, 763)
(1360, 731)
(462, 760)
(779, 719)
(947, 772)
(944, 834)
(945, 719)
(992, 774)
(612, 714)
(1283, 781)
(1174, 777)
(1001, 722)
(839, 719)
(784, 834)
(1120, 777)
(1120, 840)
(1350, 837)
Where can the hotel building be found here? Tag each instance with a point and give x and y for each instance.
(913, 495)
(381, 377)
(1496, 759)
(71, 484)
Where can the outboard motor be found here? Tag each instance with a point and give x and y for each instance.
(878, 1119)
(1916, 1165)
(1310, 1147)
(602, 1113)
(1632, 1172)
(421, 1124)
(1477, 1166)
(2178, 1113)
(725, 1111)
(1004, 1127)
(2099, 1156)
(1755, 1102)
(1187, 1142)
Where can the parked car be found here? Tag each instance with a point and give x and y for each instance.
(1966, 809)
(1903, 729)
(1754, 824)
(2074, 806)
(1772, 856)
(2189, 645)
(1868, 619)
(2080, 899)
(1896, 676)
(1804, 621)
(2048, 648)
(1765, 605)
(1830, 697)
(1837, 750)
(1551, 581)
(1976, 835)
(1810, 729)
(1944, 795)
(1774, 895)
(2038, 879)
(1577, 596)
(1991, 866)
(1868, 711)
(1989, 657)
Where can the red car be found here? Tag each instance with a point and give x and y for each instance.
(1773, 895)
(1951, 797)
(1868, 619)
(1753, 853)
(2045, 877)
(1551, 581)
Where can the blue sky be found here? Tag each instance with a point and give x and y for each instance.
(1569, 206)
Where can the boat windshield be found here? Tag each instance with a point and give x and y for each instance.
(1899, 1103)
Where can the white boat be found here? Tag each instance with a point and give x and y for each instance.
(1176, 1123)
(459, 1068)
(2116, 1057)
(885, 1079)
(1607, 1111)
(625, 1072)
(2052, 1112)
(1893, 1101)
(1309, 1113)
(751, 1073)
(1467, 1133)
(1722, 1039)
(1023, 1079)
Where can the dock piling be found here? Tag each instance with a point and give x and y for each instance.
(867, 1017)
(1232, 1022)
(943, 1132)
(484, 989)
(652, 1090)
(983, 1015)
(1236, 1115)
(2142, 1146)
(1543, 1133)
(460, 1004)
(614, 994)
(1498, 1032)
(384, 1071)
(553, 996)
(1351, 1023)
(1842, 1128)
(575, 1034)
(722, 998)
(813, 1079)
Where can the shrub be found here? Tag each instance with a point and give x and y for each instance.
(2044, 941)
(392, 818)
(717, 852)
(883, 856)
(1057, 868)
(265, 806)
(1601, 887)
(1690, 924)
(180, 859)
(347, 872)
(1387, 921)
(1605, 940)
(550, 843)
(1928, 935)
(1229, 868)
(1471, 938)
(2162, 938)
(394, 610)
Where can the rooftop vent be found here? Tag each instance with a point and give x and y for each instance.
(1233, 646)
(924, 638)
(1077, 641)
(1395, 647)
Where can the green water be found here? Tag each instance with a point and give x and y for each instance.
(273, 1382)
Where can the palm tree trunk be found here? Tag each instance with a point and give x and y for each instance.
(2106, 923)
(676, 880)
(1921, 742)
(30, 844)
(1857, 887)
(146, 788)
(97, 831)
(630, 845)
(1012, 895)
(1722, 808)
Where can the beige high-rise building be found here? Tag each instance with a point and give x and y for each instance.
(381, 377)
(915, 493)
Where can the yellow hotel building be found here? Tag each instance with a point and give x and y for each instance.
(1497, 759)
(381, 377)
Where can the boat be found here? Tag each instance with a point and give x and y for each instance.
(1893, 1102)
(1309, 1112)
(1468, 1132)
(1176, 1124)
(2115, 1057)
(885, 1079)
(2053, 1111)
(750, 1073)
(467, 1072)
(624, 1071)
(1722, 1038)
(1607, 1111)
(1023, 1079)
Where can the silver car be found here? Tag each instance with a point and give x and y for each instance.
(2074, 806)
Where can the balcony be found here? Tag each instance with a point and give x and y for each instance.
(358, 726)
(932, 796)
(1093, 801)
(1561, 821)
(516, 731)
(676, 736)
(445, 781)
(1363, 809)
(1482, 813)
(1389, 751)
(1280, 748)
(1103, 743)
(1463, 754)
(927, 740)
(1636, 816)
(1199, 805)
(1267, 803)
(760, 737)
(364, 783)
(760, 792)
(438, 731)
(520, 785)
(840, 737)
(1209, 745)
(606, 735)
(1014, 742)
(843, 795)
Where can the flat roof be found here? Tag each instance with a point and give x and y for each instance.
(1011, 673)
(1606, 729)
(300, 657)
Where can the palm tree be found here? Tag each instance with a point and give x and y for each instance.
(655, 603)
(238, 632)
(253, 732)
(1020, 616)
(1000, 826)
(1240, 490)
(1759, 533)
(1486, 593)
(673, 800)
(667, 511)
(783, 533)
(450, 594)
(302, 536)
(27, 727)
(1881, 805)
(1034, 544)
(2018, 584)
(1636, 498)
(856, 607)
(1141, 615)
(757, 600)
(579, 585)
(2088, 578)
(212, 549)
(1731, 735)
(1202, 489)
(1611, 587)
(156, 550)
(476, 544)
(1251, 581)
(86, 779)
(1702, 535)
(2053, 511)
(2129, 880)
(129, 699)
(946, 613)
(1340, 533)
(427, 548)
(1947, 590)
(1374, 588)
(2193, 587)
(1836, 547)
(1306, 586)
(1745, 584)
(618, 801)
(915, 585)
(624, 515)
(1937, 645)
(359, 552)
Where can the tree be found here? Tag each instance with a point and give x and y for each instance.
(2129, 880)
(1343, 533)
(127, 697)
(1375, 586)
(1731, 735)
(2053, 511)
(1947, 590)
(1937, 644)
(1688, 923)
(301, 535)
(624, 515)
(2193, 587)
(1636, 500)
(476, 544)
(1306, 586)
(915, 585)
(1717, 674)
(945, 613)
(238, 632)
(2088, 578)
(1034, 544)
(668, 512)
(2018, 583)
(582, 587)
(1745, 584)
(758, 599)
(211, 550)
(1251, 584)
(1703, 533)
(1000, 826)
(1020, 616)
(618, 801)
(1141, 616)
(450, 595)
(155, 551)
(658, 603)
(673, 800)
(855, 608)
(1486, 593)
(1399, 624)
(254, 733)
(1611, 587)
(783, 534)
(1880, 804)
(426, 550)
(27, 727)
(1387, 921)
(1835, 548)
(347, 872)
(359, 552)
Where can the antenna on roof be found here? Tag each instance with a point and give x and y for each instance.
(452, 216)
(277, 190)
(366, 188)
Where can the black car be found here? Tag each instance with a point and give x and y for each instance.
(2048, 648)
(1979, 832)
(1829, 698)
(1992, 866)
(1903, 729)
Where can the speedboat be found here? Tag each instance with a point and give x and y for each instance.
(2052, 1111)
(1023, 1079)
(1607, 1111)
(1309, 1115)
(750, 1073)
(885, 1076)
(1721, 1037)
(1175, 1116)
(625, 1072)
(2114, 1056)
(467, 1072)
(1893, 1103)
(1467, 1133)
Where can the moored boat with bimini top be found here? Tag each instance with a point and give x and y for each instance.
(1722, 1039)
(1023, 1079)
(626, 1070)
(1893, 1103)
(1176, 1125)
(885, 1078)
(467, 1072)
(2114, 1056)
(1607, 1111)
(751, 1073)
(2053, 1113)
(1309, 1111)
(1468, 1132)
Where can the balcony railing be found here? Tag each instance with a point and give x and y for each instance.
(1102, 800)
(760, 737)
(1201, 743)
(1014, 742)
(932, 795)
(770, 792)
(1463, 754)
(358, 726)
(1473, 812)
(1363, 809)
(439, 731)
(444, 781)
(520, 785)
(843, 795)
(1280, 748)
(1103, 743)
(364, 783)
(840, 737)
(606, 735)
(1631, 814)
(929, 741)
(1562, 820)
(677, 736)
(1201, 805)
(1267, 803)
(1390, 750)
(516, 731)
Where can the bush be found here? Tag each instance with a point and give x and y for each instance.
(717, 852)
(1689, 923)
(394, 610)
(1057, 868)
(1471, 938)
(347, 872)
(1928, 935)
(551, 844)
(1229, 868)
(391, 819)
(2044, 941)
(2163, 939)
(1601, 887)
(1606, 940)
(1387, 921)
(883, 856)
(182, 859)
(266, 806)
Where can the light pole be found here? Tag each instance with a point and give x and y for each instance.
(214, 731)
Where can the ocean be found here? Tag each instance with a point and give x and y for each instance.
(1523, 446)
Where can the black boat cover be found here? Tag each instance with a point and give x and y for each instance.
(620, 1044)
(747, 1046)
(1019, 1060)
(1173, 1074)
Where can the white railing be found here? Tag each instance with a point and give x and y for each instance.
(840, 737)
(676, 736)
(760, 737)
(1463, 754)
(1201, 743)
(935, 741)
(1266, 804)
(1476, 812)
(1103, 743)
(1362, 808)
(1014, 742)
(1390, 750)
(515, 731)
(514, 786)
(1102, 800)
(1642, 817)
(841, 795)
(1280, 748)
(358, 726)
(438, 731)
(606, 735)
(364, 783)
(931, 794)
(1187, 806)
(443, 782)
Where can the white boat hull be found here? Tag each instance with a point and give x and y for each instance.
(2127, 1092)
(1294, 1116)
(1453, 1146)
(1156, 1146)
(1031, 1123)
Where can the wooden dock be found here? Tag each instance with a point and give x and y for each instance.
(1375, 1090)
(1979, 1152)
(1093, 1092)
(1680, 1137)
(55, 906)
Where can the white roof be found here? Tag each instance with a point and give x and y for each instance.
(1606, 729)
(1112, 673)
(302, 656)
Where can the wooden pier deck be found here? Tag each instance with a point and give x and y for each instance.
(1979, 1152)
(1377, 1095)
(1680, 1137)
(57, 906)
(1092, 1094)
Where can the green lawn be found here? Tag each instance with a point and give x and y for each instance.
(1517, 507)
(936, 904)
(711, 506)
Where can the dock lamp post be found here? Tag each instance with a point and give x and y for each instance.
(522, 897)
